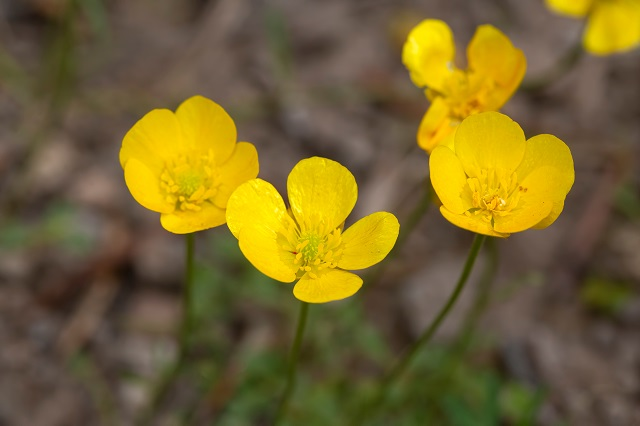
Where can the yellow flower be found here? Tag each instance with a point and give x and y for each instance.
(612, 25)
(494, 182)
(495, 69)
(185, 165)
(307, 241)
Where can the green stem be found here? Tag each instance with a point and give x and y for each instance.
(426, 336)
(293, 362)
(171, 373)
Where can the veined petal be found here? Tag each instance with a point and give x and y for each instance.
(471, 223)
(575, 8)
(153, 140)
(428, 53)
(259, 244)
(535, 204)
(144, 187)
(255, 203)
(321, 192)
(185, 222)
(436, 125)
(330, 285)
(490, 53)
(613, 26)
(448, 179)
(548, 151)
(241, 166)
(207, 126)
(490, 141)
(368, 241)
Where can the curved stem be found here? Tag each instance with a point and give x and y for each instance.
(293, 362)
(426, 336)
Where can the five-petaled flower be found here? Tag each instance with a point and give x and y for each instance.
(185, 165)
(495, 69)
(494, 182)
(307, 241)
(612, 25)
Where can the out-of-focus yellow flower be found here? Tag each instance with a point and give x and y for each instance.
(185, 165)
(612, 25)
(495, 68)
(307, 241)
(494, 182)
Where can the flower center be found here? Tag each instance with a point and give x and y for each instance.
(190, 180)
(493, 193)
(314, 249)
(466, 93)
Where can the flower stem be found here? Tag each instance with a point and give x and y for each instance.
(426, 336)
(171, 373)
(293, 362)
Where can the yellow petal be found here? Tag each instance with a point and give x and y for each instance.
(330, 285)
(153, 140)
(206, 125)
(471, 223)
(428, 53)
(489, 140)
(575, 8)
(144, 187)
(549, 151)
(613, 26)
(535, 203)
(255, 202)
(185, 222)
(436, 125)
(448, 179)
(321, 191)
(369, 240)
(241, 166)
(491, 54)
(259, 244)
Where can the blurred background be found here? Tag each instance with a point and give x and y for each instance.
(547, 333)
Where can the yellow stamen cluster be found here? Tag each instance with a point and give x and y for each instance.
(190, 180)
(315, 249)
(465, 93)
(494, 193)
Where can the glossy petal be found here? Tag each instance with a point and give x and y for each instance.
(534, 205)
(241, 166)
(471, 223)
(331, 285)
(491, 54)
(185, 222)
(436, 125)
(206, 125)
(259, 244)
(321, 191)
(613, 26)
(368, 241)
(428, 53)
(575, 8)
(153, 140)
(448, 179)
(253, 203)
(144, 188)
(489, 140)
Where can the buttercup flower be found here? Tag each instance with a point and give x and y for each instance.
(495, 69)
(612, 25)
(306, 242)
(494, 182)
(185, 165)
